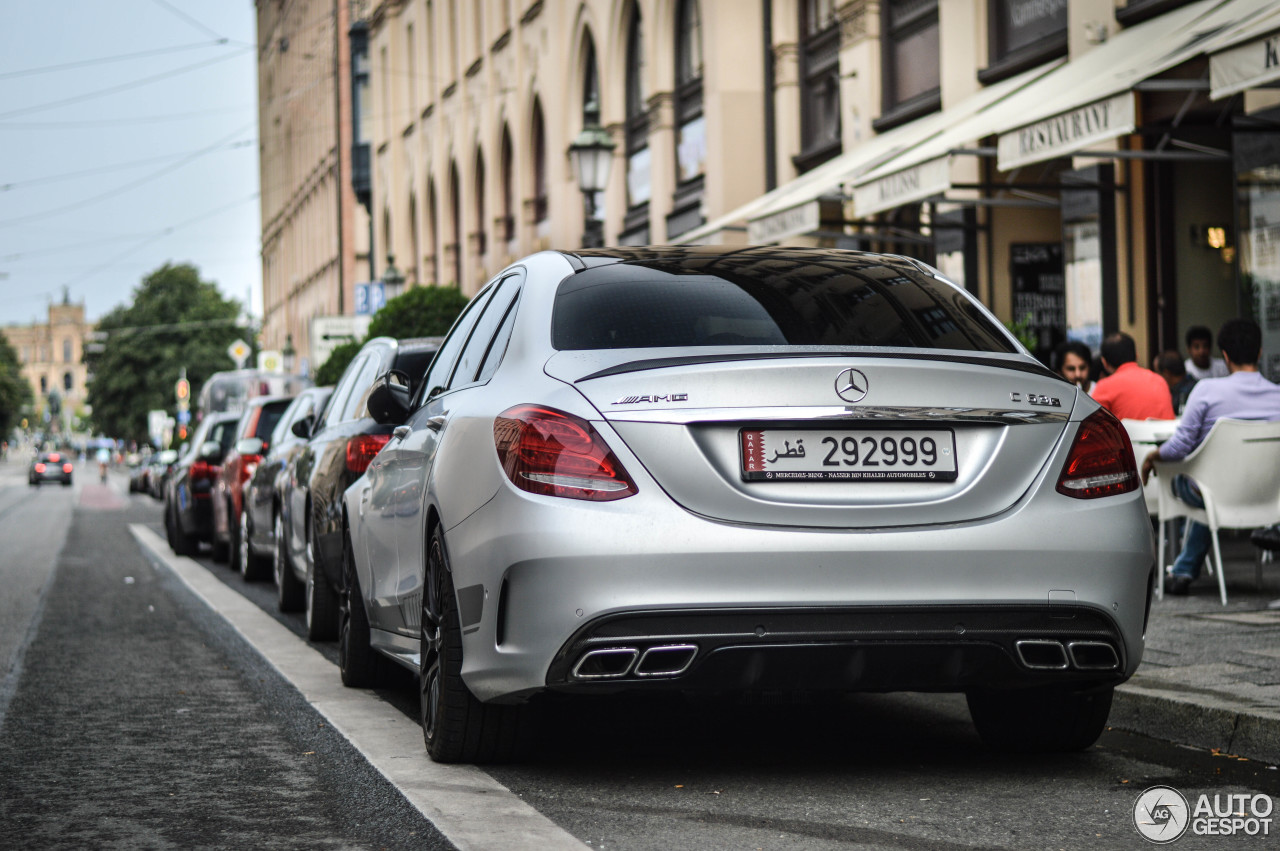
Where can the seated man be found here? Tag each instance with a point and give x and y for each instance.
(1170, 367)
(1243, 395)
(1071, 360)
(1201, 363)
(1129, 391)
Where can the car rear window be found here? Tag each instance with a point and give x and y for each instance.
(271, 414)
(819, 302)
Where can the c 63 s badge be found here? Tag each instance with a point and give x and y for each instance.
(1037, 399)
(667, 397)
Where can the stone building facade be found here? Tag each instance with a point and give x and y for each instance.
(52, 357)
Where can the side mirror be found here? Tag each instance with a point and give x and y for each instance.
(302, 428)
(388, 402)
(249, 446)
(210, 450)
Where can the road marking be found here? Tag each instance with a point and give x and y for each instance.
(469, 807)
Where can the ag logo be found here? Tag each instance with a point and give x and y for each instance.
(1161, 814)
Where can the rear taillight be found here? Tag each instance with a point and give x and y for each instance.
(66, 468)
(54, 457)
(549, 452)
(201, 470)
(362, 448)
(39, 468)
(1101, 461)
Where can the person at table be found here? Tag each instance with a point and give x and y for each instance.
(1243, 395)
(1200, 362)
(1170, 367)
(1071, 360)
(1129, 391)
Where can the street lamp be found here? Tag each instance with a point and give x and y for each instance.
(287, 353)
(392, 279)
(592, 154)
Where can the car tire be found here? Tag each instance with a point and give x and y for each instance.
(322, 602)
(1040, 720)
(290, 595)
(222, 547)
(360, 665)
(455, 726)
(252, 567)
(183, 544)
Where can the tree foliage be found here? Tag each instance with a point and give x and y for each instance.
(427, 311)
(15, 392)
(176, 320)
(419, 312)
(331, 370)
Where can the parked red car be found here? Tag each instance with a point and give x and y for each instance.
(252, 434)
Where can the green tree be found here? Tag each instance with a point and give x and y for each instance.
(419, 312)
(331, 370)
(176, 320)
(15, 392)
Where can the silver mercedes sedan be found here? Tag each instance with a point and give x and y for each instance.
(741, 470)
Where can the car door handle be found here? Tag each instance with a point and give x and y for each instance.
(401, 432)
(437, 422)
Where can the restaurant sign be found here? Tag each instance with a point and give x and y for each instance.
(1067, 132)
(1247, 66)
(910, 185)
(802, 218)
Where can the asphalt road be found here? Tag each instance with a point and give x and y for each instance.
(139, 719)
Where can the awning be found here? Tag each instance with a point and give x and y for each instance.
(1248, 57)
(794, 207)
(1090, 99)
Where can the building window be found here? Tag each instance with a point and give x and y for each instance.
(66, 351)
(508, 228)
(455, 214)
(44, 384)
(1023, 34)
(636, 224)
(412, 269)
(67, 381)
(433, 235)
(691, 127)
(539, 164)
(481, 244)
(820, 84)
(912, 81)
(591, 95)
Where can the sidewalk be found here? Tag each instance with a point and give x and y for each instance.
(1210, 676)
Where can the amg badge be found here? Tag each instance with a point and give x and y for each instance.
(669, 397)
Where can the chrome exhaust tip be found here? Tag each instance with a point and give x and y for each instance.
(669, 660)
(1042, 654)
(1093, 655)
(605, 663)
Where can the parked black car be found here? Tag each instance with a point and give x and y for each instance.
(340, 446)
(262, 511)
(188, 507)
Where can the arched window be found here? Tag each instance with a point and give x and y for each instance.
(44, 384)
(433, 236)
(455, 215)
(66, 351)
(691, 127)
(539, 164)
(636, 226)
(819, 83)
(508, 229)
(480, 238)
(590, 102)
(412, 272)
(67, 381)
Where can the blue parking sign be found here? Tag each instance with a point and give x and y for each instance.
(362, 299)
(377, 296)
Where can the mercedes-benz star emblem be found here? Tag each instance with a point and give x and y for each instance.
(851, 385)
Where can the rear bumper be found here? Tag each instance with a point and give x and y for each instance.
(542, 580)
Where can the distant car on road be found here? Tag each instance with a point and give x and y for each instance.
(252, 438)
(158, 469)
(50, 467)
(743, 469)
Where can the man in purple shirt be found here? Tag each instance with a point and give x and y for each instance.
(1243, 395)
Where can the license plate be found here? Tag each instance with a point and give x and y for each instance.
(850, 455)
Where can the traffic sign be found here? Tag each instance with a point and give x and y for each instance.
(239, 352)
(329, 332)
(271, 361)
(370, 297)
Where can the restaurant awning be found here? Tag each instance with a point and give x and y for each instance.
(1247, 57)
(1091, 98)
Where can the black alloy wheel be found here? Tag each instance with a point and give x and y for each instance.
(252, 567)
(322, 603)
(290, 595)
(360, 665)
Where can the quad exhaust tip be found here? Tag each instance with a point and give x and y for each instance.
(604, 663)
(1093, 655)
(670, 660)
(1043, 654)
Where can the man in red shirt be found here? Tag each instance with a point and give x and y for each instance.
(1129, 391)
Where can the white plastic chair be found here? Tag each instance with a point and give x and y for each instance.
(1237, 468)
(1146, 435)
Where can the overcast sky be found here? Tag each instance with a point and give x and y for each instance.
(128, 138)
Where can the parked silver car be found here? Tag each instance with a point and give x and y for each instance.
(740, 469)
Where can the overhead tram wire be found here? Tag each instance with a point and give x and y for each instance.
(184, 16)
(111, 193)
(133, 84)
(70, 175)
(104, 60)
